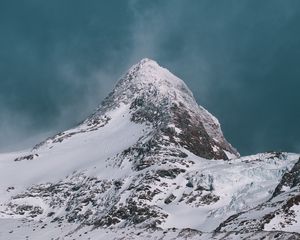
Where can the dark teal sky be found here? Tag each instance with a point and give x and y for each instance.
(60, 58)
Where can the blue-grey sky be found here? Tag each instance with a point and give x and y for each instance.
(60, 58)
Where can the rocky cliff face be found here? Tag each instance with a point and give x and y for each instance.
(163, 100)
(149, 163)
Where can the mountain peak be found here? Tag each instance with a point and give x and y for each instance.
(148, 73)
(158, 98)
(147, 61)
(140, 168)
(152, 96)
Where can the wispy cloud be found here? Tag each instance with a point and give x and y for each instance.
(237, 58)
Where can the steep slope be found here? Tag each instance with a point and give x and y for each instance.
(280, 213)
(149, 162)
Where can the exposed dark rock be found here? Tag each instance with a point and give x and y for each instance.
(27, 157)
(189, 184)
(10, 189)
(290, 179)
(170, 199)
(169, 173)
(133, 213)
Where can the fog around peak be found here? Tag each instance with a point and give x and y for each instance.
(239, 58)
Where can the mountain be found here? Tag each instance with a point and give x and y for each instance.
(149, 163)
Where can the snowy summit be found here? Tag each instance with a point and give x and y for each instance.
(149, 163)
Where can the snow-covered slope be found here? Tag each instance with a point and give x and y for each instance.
(149, 163)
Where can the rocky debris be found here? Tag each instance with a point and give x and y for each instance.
(145, 110)
(149, 151)
(133, 201)
(169, 173)
(188, 233)
(91, 201)
(10, 189)
(169, 199)
(207, 199)
(71, 194)
(248, 222)
(28, 211)
(289, 180)
(132, 213)
(199, 198)
(258, 235)
(93, 123)
(27, 157)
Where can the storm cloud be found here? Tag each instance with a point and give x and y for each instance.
(59, 59)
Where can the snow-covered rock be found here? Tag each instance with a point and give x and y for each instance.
(149, 163)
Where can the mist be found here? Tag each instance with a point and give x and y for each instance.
(59, 59)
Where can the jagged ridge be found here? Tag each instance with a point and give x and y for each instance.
(158, 97)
